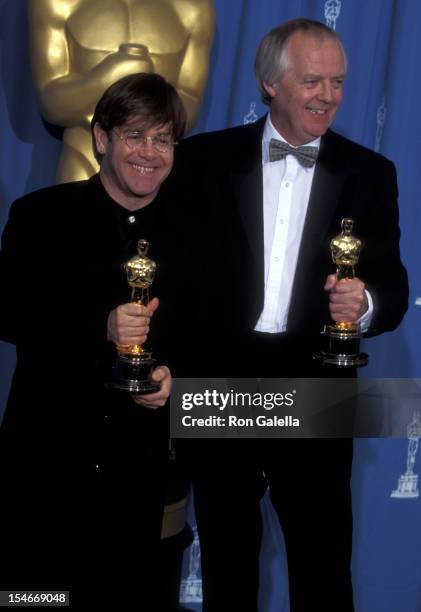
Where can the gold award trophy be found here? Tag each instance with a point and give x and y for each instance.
(341, 340)
(134, 364)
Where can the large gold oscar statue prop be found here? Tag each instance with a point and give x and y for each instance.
(80, 47)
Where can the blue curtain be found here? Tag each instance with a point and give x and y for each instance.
(380, 110)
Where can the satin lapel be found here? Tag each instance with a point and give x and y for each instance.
(327, 189)
(247, 184)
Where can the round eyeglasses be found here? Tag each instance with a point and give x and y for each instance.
(161, 143)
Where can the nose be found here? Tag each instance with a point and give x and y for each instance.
(326, 93)
(146, 149)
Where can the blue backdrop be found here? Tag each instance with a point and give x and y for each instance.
(381, 111)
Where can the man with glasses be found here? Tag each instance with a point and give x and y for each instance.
(84, 466)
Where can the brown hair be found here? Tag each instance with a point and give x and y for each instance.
(148, 97)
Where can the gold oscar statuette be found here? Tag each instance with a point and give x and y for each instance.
(341, 340)
(134, 364)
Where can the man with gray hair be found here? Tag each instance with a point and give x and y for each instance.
(276, 192)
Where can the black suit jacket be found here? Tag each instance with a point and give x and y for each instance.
(225, 168)
(61, 274)
(82, 467)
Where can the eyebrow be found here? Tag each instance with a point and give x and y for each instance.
(319, 76)
(134, 130)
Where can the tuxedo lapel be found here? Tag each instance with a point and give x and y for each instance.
(326, 192)
(247, 184)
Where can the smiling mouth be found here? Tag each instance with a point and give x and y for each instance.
(317, 111)
(143, 169)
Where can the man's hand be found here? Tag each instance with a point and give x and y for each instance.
(155, 400)
(347, 298)
(128, 324)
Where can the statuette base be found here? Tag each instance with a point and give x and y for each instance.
(132, 373)
(341, 347)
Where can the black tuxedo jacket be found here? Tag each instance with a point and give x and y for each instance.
(224, 171)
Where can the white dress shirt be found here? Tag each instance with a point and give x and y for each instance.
(286, 193)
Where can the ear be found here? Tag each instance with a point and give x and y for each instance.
(270, 89)
(101, 139)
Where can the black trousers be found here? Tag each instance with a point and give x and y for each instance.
(309, 483)
(95, 534)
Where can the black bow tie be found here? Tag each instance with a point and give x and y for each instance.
(279, 150)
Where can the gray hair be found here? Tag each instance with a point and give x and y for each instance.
(272, 59)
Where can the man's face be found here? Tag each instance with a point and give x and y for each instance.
(132, 175)
(305, 100)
